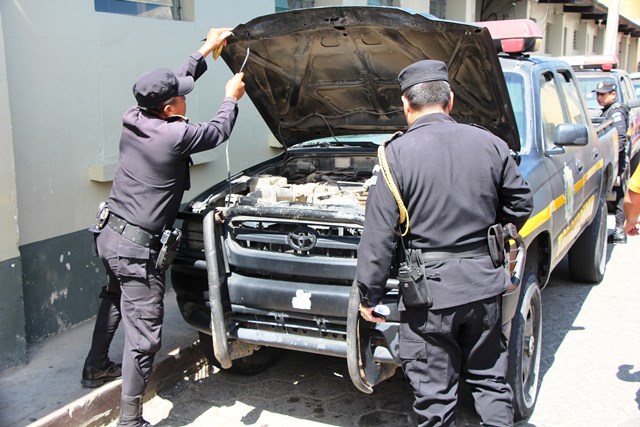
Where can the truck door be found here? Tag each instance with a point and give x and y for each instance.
(566, 165)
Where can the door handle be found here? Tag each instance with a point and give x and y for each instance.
(579, 166)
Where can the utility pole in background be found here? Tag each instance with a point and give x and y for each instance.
(611, 31)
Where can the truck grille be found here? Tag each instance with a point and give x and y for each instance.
(192, 237)
(290, 237)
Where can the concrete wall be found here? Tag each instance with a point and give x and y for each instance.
(69, 72)
(12, 319)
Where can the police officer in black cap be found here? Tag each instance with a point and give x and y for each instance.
(456, 180)
(152, 175)
(606, 93)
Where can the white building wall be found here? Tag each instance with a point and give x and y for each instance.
(70, 71)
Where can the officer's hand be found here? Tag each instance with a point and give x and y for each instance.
(368, 315)
(631, 228)
(235, 87)
(215, 38)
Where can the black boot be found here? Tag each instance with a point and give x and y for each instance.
(131, 412)
(98, 369)
(618, 236)
(95, 377)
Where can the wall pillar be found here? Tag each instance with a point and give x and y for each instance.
(13, 351)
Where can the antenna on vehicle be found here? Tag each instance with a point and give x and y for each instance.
(227, 201)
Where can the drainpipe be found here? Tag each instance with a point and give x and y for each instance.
(611, 32)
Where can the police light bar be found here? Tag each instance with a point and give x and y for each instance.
(514, 35)
(596, 62)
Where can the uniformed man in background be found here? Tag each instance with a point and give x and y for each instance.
(456, 181)
(152, 175)
(606, 94)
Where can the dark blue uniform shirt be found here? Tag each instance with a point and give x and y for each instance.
(456, 180)
(153, 169)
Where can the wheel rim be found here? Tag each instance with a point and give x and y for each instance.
(531, 349)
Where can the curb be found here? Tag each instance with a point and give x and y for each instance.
(101, 406)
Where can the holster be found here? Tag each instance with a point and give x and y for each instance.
(170, 241)
(495, 240)
(413, 285)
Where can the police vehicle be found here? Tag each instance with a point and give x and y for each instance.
(278, 271)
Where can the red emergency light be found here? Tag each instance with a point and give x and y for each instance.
(596, 62)
(514, 35)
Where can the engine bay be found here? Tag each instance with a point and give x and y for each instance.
(320, 181)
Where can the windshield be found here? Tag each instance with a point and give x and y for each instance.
(515, 86)
(636, 86)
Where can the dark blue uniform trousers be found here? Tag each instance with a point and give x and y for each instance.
(436, 346)
(132, 274)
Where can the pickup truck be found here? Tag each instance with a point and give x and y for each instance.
(592, 69)
(278, 272)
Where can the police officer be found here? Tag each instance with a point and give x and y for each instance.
(606, 93)
(152, 175)
(456, 180)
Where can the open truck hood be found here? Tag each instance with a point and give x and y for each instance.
(322, 72)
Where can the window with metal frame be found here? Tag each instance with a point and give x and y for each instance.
(161, 9)
(282, 5)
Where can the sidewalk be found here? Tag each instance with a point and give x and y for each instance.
(47, 390)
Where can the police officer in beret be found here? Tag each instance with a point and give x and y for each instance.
(456, 180)
(151, 177)
(606, 94)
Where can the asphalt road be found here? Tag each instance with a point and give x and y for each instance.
(590, 371)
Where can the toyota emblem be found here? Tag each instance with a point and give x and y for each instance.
(303, 239)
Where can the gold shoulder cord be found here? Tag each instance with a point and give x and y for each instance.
(386, 173)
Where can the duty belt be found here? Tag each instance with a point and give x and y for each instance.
(133, 232)
(469, 250)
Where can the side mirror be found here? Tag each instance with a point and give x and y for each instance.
(570, 134)
(634, 103)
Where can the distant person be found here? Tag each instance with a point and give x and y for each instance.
(152, 175)
(632, 205)
(606, 93)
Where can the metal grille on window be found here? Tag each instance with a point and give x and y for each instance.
(162, 9)
(293, 4)
(438, 8)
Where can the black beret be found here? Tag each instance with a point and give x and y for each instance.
(422, 71)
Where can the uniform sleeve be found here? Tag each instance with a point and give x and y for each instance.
(207, 135)
(620, 119)
(516, 198)
(195, 66)
(379, 237)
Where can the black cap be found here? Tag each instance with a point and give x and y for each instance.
(423, 71)
(160, 85)
(606, 86)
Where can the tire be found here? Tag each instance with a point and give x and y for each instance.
(588, 255)
(253, 364)
(525, 348)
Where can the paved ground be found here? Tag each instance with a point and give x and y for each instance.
(590, 372)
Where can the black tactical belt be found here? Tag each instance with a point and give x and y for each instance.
(465, 251)
(133, 232)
